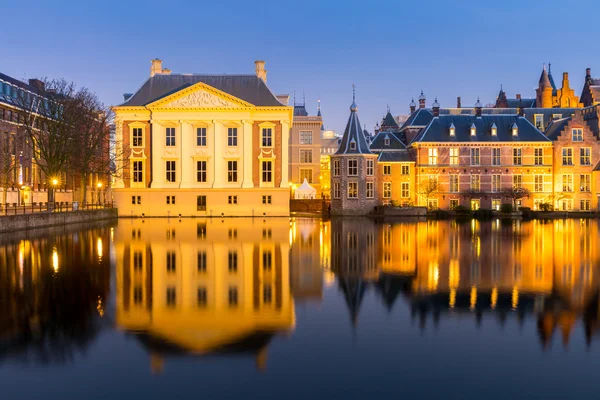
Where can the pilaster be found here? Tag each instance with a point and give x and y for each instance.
(158, 145)
(187, 163)
(218, 167)
(285, 139)
(247, 154)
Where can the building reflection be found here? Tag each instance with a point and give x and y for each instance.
(511, 269)
(54, 284)
(204, 286)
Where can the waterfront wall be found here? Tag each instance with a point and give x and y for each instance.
(45, 219)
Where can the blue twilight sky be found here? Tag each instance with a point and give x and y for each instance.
(389, 49)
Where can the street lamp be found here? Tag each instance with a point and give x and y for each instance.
(54, 182)
(99, 185)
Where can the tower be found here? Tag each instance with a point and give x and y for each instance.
(353, 171)
(544, 91)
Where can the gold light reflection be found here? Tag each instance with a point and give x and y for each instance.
(434, 276)
(453, 274)
(515, 298)
(99, 247)
(452, 297)
(100, 307)
(494, 299)
(55, 259)
(473, 298)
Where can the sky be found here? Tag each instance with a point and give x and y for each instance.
(391, 50)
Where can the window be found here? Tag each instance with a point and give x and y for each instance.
(267, 294)
(201, 297)
(336, 167)
(475, 182)
(232, 199)
(138, 295)
(201, 171)
(370, 190)
(496, 183)
(171, 262)
(267, 171)
(170, 136)
(454, 156)
(577, 134)
(405, 190)
(306, 156)
(556, 116)
(136, 200)
(232, 296)
(496, 156)
(496, 204)
(267, 260)
(387, 169)
(232, 261)
(584, 205)
(232, 137)
(538, 156)
(539, 121)
(353, 167)
(567, 156)
(171, 296)
(336, 190)
(454, 183)
(138, 171)
(517, 181)
(306, 173)
(171, 172)
(585, 182)
(201, 230)
(232, 171)
(585, 156)
(567, 183)
(201, 203)
(171, 200)
(352, 145)
(433, 155)
(267, 137)
(201, 137)
(370, 167)
(453, 204)
(352, 190)
(387, 190)
(305, 137)
(405, 169)
(517, 159)
(138, 137)
(232, 233)
(474, 156)
(201, 266)
(538, 184)
(138, 261)
(267, 199)
(433, 182)
(386, 141)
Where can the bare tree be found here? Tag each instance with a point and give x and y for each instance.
(7, 164)
(516, 193)
(427, 188)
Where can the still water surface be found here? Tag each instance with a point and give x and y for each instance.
(301, 308)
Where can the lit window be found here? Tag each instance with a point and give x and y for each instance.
(473, 130)
(475, 182)
(585, 184)
(515, 130)
(538, 183)
(538, 156)
(352, 190)
(454, 156)
(387, 190)
(567, 183)
(454, 183)
(433, 155)
(517, 181)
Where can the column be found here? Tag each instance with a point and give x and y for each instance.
(158, 165)
(248, 154)
(285, 138)
(187, 163)
(218, 166)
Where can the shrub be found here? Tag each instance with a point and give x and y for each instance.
(506, 208)
(525, 209)
(546, 207)
(395, 203)
(484, 213)
(440, 214)
(462, 210)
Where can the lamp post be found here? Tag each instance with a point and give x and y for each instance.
(52, 194)
(99, 185)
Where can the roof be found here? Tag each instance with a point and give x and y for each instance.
(300, 110)
(597, 167)
(389, 121)
(353, 134)
(544, 80)
(395, 156)
(379, 142)
(249, 88)
(523, 103)
(437, 130)
(421, 117)
(556, 127)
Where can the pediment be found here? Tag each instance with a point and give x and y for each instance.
(200, 95)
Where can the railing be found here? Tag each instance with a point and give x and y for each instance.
(58, 206)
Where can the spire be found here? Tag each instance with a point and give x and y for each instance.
(544, 80)
(318, 107)
(551, 80)
(353, 106)
(353, 141)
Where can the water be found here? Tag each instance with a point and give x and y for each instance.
(301, 308)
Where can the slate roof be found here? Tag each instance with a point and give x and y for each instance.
(420, 117)
(300, 110)
(378, 142)
(556, 127)
(437, 130)
(249, 88)
(524, 103)
(15, 99)
(597, 167)
(395, 156)
(544, 80)
(353, 134)
(389, 121)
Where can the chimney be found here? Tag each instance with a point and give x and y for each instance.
(588, 72)
(413, 106)
(261, 72)
(478, 108)
(520, 109)
(157, 69)
(422, 100)
(37, 84)
(565, 80)
(458, 105)
(436, 108)
(127, 96)
(518, 96)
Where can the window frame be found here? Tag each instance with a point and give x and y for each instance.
(232, 136)
(201, 173)
(232, 173)
(171, 171)
(201, 137)
(352, 190)
(170, 136)
(353, 167)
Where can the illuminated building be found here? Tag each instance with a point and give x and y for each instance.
(202, 145)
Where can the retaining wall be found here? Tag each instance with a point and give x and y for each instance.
(44, 219)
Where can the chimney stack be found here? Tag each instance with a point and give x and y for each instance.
(436, 108)
(413, 106)
(458, 104)
(261, 72)
(422, 100)
(37, 84)
(565, 80)
(588, 72)
(518, 96)
(157, 69)
(478, 108)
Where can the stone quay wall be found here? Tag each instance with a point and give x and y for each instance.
(44, 219)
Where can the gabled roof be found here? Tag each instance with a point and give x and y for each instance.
(353, 134)
(420, 118)
(389, 122)
(438, 129)
(556, 127)
(300, 110)
(249, 88)
(379, 141)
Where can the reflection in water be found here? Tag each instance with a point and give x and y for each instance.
(204, 286)
(211, 286)
(51, 282)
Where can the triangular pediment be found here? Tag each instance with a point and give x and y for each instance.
(200, 95)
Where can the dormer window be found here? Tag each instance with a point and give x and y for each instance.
(515, 130)
(494, 130)
(352, 145)
(386, 141)
(452, 130)
(473, 130)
